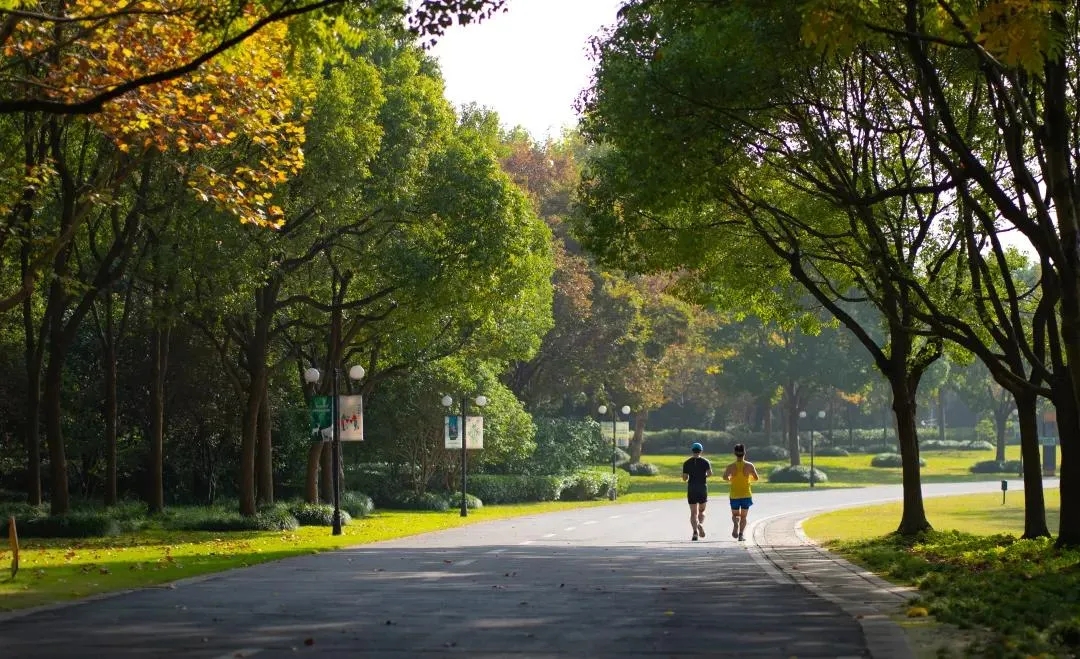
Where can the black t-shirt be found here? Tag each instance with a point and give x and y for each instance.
(696, 467)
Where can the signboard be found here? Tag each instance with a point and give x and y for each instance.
(621, 432)
(1048, 441)
(351, 418)
(320, 419)
(474, 433)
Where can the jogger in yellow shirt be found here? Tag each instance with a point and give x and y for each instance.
(740, 473)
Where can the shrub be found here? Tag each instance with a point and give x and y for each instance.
(678, 440)
(500, 488)
(565, 445)
(357, 504)
(891, 460)
(995, 467)
(641, 469)
(767, 453)
(953, 445)
(472, 502)
(219, 518)
(585, 486)
(76, 524)
(796, 474)
(408, 500)
(878, 448)
(317, 514)
(833, 451)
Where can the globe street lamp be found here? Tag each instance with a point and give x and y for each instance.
(447, 401)
(602, 410)
(311, 376)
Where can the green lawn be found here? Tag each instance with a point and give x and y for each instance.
(848, 471)
(53, 570)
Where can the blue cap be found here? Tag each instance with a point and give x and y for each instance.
(696, 447)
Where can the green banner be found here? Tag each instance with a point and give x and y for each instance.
(321, 419)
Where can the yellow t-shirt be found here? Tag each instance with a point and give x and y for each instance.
(740, 481)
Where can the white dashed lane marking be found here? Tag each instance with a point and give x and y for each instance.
(570, 528)
(526, 542)
(467, 561)
(549, 535)
(591, 521)
(615, 517)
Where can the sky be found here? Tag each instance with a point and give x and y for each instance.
(528, 64)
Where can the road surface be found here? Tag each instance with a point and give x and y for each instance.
(611, 581)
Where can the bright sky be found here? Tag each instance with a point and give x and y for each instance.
(528, 64)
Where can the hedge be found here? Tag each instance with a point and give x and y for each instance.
(995, 467)
(641, 469)
(500, 488)
(891, 460)
(796, 474)
(316, 514)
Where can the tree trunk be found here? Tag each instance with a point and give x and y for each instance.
(913, 519)
(326, 467)
(767, 422)
(1068, 423)
(1001, 417)
(155, 496)
(110, 413)
(311, 482)
(33, 358)
(638, 440)
(264, 462)
(1034, 504)
(941, 413)
(54, 373)
(248, 440)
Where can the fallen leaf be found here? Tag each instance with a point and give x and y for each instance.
(309, 641)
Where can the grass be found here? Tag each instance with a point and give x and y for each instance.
(54, 570)
(972, 571)
(847, 471)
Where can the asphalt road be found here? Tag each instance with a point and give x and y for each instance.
(611, 581)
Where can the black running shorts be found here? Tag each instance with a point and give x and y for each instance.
(697, 494)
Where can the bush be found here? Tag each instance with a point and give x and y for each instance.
(995, 467)
(642, 469)
(586, 486)
(408, 500)
(357, 504)
(953, 445)
(317, 514)
(833, 452)
(796, 474)
(500, 488)
(678, 440)
(76, 524)
(891, 460)
(566, 445)
(219, 518)
(767, 453)
(472, 502)
(878, 448)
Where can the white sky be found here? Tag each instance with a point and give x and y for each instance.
(528, 64)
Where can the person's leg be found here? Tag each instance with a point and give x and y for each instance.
(693, 519)
(742, 521)
(701, 519)
(734, 520)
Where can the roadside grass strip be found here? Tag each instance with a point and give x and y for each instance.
(55, 570)
(972, 571)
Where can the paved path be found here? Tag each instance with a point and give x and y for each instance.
(612, 581)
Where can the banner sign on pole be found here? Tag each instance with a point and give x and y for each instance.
(474, 432)
(452, 432)
(351, 418)
(320, 417)
(621, 432)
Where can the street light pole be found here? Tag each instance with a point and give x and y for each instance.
(820, 415)
(602, 410)
(448, 402)
(312, 376)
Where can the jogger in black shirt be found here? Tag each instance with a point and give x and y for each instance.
(694, 473)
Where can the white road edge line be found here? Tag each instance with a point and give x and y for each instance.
(591, 521)
(549, 535)
(467, 561)
(240, 654)
(615, 517)
(526, 542)
(570, 528)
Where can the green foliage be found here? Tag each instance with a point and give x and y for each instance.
(408, 500)
(766, 453)
(76, 524)
(472, 502)
(357, 504)
(565, 445)
(796, 474)
(641, 469)
(1022, 590)
(316, 514)
(678, 440)
(891, 460)
(833, 451)
(499, 488)
(995, 467)
(226, 518)
(953, 445)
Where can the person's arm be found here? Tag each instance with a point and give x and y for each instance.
(727, 473)
(685, 473)
(708, 469)
(753, 471)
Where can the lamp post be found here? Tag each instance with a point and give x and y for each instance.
(602, 410)
(447, 402)
(311, 376)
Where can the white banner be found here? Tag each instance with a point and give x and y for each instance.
(621, 432)
(351, 418)
(474, 432)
